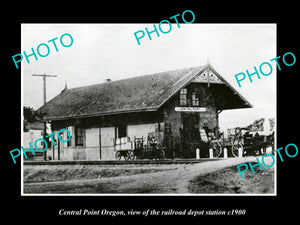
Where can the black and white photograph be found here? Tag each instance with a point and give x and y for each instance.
(150, 115)
(165, 115)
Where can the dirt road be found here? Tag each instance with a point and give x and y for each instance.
(161, 179)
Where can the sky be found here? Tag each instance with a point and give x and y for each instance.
(110, 51)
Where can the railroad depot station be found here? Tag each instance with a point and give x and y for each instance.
(179, 109)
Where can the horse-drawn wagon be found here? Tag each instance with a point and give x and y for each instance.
(241, 139)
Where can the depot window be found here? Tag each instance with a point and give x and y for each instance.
(183, 96)
(79, 136)
(195, 100)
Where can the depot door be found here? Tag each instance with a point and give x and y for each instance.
(191, 135)
(107, 136)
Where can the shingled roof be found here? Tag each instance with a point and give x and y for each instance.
(143, 93)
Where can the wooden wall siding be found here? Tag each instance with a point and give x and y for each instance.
(92, 137)
(139, 124)
(107, 143)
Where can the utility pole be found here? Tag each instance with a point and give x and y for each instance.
(45, 100)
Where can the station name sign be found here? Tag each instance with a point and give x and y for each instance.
(190, 109)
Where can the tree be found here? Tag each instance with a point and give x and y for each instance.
(30, 116)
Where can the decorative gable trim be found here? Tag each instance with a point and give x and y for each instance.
(207, 76)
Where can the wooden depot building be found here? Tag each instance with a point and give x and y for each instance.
(179, 108)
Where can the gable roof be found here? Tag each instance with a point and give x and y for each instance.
(144, 93)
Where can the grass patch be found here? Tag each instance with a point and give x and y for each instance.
(228, 181)
(87, 178)
(50, 173)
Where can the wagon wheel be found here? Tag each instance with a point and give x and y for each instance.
(118, 155)
(216, 147)
(235, 149)
(132, 155)
(161, 154)
(127, 155)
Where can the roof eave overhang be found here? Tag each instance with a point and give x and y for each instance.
(53, 118)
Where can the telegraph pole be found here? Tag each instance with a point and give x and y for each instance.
(45, 100)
